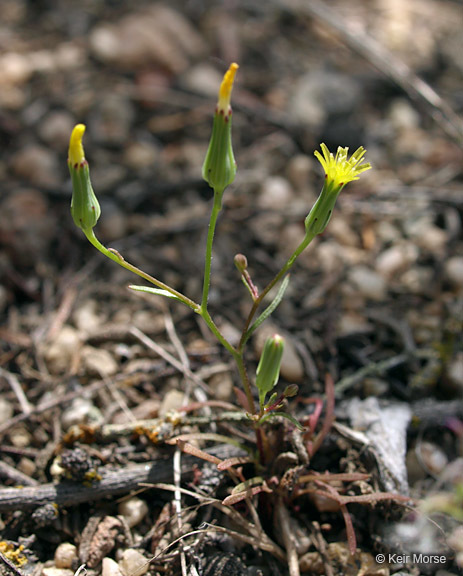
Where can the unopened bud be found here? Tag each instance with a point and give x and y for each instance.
(219, 168)
(85, 208)
(268, 370)
(241, 262)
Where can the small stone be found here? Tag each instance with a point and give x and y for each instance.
(54, 571)
(454, 372)
(86, 318)
(454, 271)
(298, 171)
(275, 194)
(81, 411)
(112, 120)
(60, 352)
(292, 368)
(343, 232)
(370, 284)
(20, 437)
(37, 165)
(15, 68)
(27, 466)
(65, 555)
(396, 259)
(110, 568)
(133, 563)
(433, 457)
(99, 361)
(141, 155)
(56, 128)
(172, 401)
(134, 510)
(402, 115)
(221, 386)
(6, 410)
(202, 79)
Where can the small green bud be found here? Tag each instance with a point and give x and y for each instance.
(219, 168)
(85, 208)
(268, 370)
(291, 390)
(339, 170)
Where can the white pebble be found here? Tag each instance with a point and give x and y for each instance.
(65, 555)
(133, 563)
(53, 571)
(396, 259)
(110, 568)
(133, 510)
(6, 410)
(275, 193)
(370, 284)
(454, 271)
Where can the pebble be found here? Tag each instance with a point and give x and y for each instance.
(20, 437)
(15, 68)
(433, 457)
(222, 386)
(453, 269)
(133, 563)
(402, 115)
(81, 411)
(370, 284)
(60, 352)
(55, 129)
(112, 119)
(98, 361)
(65, 555)
(110, 568)
(275, 193)
(134, 510)
(172, 401)
(343, 232)
(202, 79)
(455, 372)
(157, 35)
(396, 259)
(6, 410)
(86, 318)
(142, 154)
(298, 171)
(114, 224)
(317, 96)
(54, 571)
(292, 368)
(37, 165)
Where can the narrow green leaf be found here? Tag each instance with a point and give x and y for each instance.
(270, 308)
(156, 291)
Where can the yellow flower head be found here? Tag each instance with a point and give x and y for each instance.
(76, 150)
(339, 169)
(223, 105)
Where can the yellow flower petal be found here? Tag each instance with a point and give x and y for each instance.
(223, 105)
(76, 150)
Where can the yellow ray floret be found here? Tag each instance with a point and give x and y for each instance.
(339, 169)
(226, 88)
(76, 150)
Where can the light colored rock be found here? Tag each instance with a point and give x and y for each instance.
(110, 567)
(134, 510)
(454, 271)
(298, 171)
(37, 165)
(370, 284)
(6, 410)
(86, 317)
(157, 35)
(455, 371)
(15, 68)
(56, 128)
(141, 155)
(54, 571)
(98, 361)
(402, 115)
(60, 352)
(292, 368)
(433, 457)
(222, 386)
(133, 563)
(20, 437)
(172, 401)
(396, 259)
(275, 193)
(65, 555)
(203, 79)
(343, 232)
(81, 411)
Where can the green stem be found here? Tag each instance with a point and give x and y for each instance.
(210, 239)
(116, 257)
(302, 246)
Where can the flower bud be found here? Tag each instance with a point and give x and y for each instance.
(85, 209)
(268, 370)
(339, 170)
(241, 262)
(219, 168)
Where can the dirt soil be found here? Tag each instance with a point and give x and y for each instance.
(96, 380)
